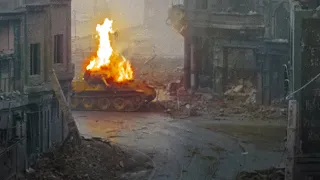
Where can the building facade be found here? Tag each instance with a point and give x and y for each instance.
(303, 127)
(35, 38)
(226, 39)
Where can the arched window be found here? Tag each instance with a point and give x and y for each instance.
(281, 22)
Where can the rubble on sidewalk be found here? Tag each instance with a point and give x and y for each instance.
(95, 159)
(269, 174)
(242, 105)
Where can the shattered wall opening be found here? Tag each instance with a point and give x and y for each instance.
(241, 65)
(240, 74)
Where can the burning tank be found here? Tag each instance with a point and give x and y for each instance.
(108, 81)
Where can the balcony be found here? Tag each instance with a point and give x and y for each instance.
(222, 20)
(63, 73)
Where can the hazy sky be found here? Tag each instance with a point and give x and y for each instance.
(125, 10)
(126, 13)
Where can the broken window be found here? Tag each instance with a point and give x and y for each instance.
(58, 48)
(35, 59)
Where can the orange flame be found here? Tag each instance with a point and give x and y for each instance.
(106, 61)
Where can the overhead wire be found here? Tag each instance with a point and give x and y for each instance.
(304, 86)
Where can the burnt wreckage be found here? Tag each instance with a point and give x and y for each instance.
(95, 92)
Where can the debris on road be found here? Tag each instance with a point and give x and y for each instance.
(269, 174)
(95, 159)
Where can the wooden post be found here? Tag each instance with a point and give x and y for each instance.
(292, 143)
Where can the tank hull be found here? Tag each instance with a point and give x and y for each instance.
(126, 99)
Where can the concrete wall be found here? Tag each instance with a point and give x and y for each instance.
(60, 23)
(35, 34)
(243, 6)
(7, 5)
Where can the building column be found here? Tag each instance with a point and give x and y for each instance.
(292, 143)
(194, 61)
(192, 74)
(187, 63)
(218, 68)
(225, 68)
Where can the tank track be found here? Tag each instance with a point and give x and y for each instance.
(100, 101)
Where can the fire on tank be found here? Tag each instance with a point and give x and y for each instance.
(107, 83)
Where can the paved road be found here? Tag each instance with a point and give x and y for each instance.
(181, 149)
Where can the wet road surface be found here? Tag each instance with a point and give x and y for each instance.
(182, 149)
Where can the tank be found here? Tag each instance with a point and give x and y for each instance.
(97, 93)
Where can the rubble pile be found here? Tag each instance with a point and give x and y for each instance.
(269, 174)
(95, 159)
(244, 92)
(186, 105)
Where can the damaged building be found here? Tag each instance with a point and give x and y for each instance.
(229, 40)
(34, 39)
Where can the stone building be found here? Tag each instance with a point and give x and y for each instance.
(34, 39)
(303, 141)
(232, 38)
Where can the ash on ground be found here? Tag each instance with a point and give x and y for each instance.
(94, 159)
